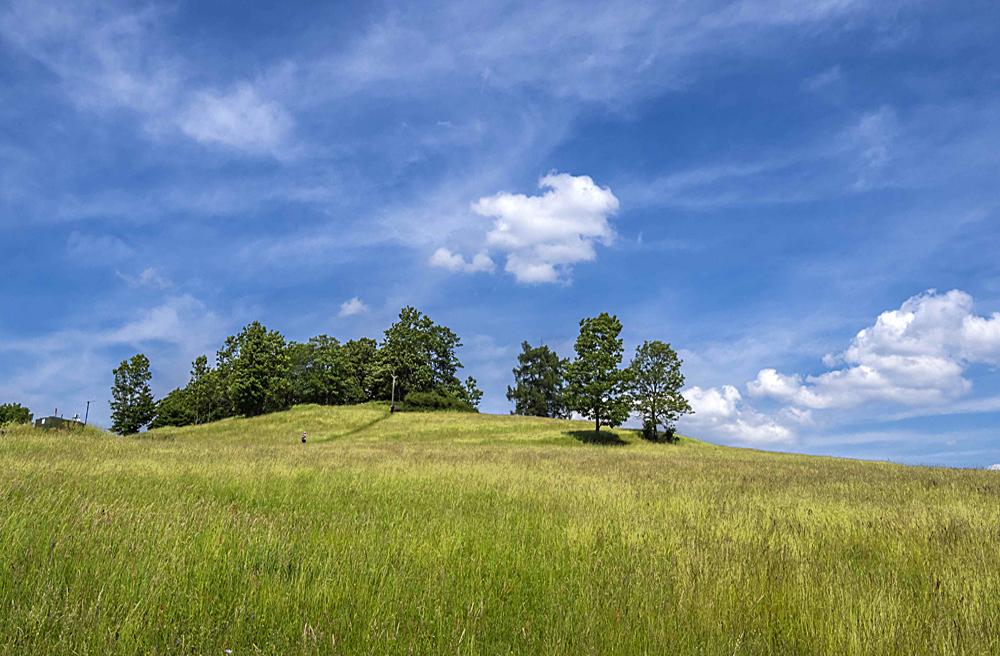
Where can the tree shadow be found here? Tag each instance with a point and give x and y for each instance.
(591, 437)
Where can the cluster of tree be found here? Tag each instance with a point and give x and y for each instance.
(14, 413)
(595, 384)
(258, 371)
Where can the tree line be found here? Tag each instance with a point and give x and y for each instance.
(596, 386)
(258, 371)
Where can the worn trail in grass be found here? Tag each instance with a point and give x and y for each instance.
(445, 533)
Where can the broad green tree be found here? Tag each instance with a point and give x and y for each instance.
(14, 413)
(132, 405)
(656, 380)
(596, 387)
(320, 374)
(539, 383)
(421, 354)
(360, 357)
(254, 367)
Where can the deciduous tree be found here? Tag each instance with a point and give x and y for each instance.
(14, 413)
(132, 405)
(656, 379)
(254, 368)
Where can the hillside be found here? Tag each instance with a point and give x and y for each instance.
(448, 533)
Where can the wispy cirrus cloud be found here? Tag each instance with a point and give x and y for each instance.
(108, 59)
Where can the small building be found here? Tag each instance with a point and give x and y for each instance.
(53, 423)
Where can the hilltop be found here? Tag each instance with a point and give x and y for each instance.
(467, 533)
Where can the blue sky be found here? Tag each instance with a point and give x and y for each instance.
(776, 188)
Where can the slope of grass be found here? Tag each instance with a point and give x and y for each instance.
(445, 533)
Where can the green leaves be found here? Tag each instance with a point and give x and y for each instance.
(132, 405)
(421, 354)
(596, 387)
(656, 381)
(539, 386)
(14, 413)
(254, 367)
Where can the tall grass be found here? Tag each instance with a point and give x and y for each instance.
(467, 534)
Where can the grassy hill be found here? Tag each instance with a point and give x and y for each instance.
(447, 533)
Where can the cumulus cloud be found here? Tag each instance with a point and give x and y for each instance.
(543, 236)
(721, 412)
(915, 355)
(445, 259)
(995, 467)
(352, 307)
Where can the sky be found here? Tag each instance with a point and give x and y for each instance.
(801, 197)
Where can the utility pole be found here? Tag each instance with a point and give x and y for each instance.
(392, 403)
(86, 415)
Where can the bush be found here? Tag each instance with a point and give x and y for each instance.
(666, 435)
(14, 413)
(432, 401)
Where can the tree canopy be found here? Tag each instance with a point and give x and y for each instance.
(422, 355)
(539, 384)
(14, 413)
(596, 387)
(254, 367)
(656, 382)
(132, 405)
(258, 371)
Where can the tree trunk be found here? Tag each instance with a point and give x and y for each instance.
(597, 422)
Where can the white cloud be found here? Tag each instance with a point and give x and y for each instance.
(995, 467)
(108, 59)
(916, 356)
(239, 119)
(824, 80)
(873, 139)
(543, 236)
(66, 368)
(721, 413)
(443, 258)
(352, 307)
(148, 277)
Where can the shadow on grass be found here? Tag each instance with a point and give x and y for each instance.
(592, 437)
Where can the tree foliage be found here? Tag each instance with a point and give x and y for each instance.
(539, 383)
(422, 355)
(359, 358)
(132, 405)
(656, 382)
(254, 367)
(174, 409)
(257, 371)
(14, 413)
(319, 373)
(204, 392)
(596, 387)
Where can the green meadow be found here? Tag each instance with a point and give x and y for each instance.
(475, 534)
